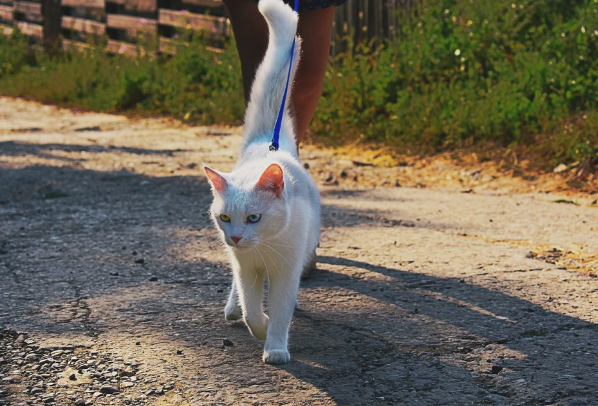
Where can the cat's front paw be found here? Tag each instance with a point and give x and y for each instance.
(233, 312)
(276, 356)
(258, 328)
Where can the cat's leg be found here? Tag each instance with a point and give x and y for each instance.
(250, 287)
(233, 311)
(282, 297)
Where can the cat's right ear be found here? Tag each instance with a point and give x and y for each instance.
(217, 181)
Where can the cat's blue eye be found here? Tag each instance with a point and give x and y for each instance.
(254, 218)
(225, 218)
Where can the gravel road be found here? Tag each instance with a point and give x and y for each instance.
(113, 283)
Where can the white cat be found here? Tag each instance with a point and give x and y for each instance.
(268, 208)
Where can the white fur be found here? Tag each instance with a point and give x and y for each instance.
(283, 242)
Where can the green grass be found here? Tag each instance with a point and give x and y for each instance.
(460, 74)
(196, 84)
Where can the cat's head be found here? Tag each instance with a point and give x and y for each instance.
(248, 208)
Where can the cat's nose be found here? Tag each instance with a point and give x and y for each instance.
(236, 239)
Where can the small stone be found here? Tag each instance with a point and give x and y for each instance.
(153, 279)
(114, 273)
(140, 261)
(560, 168)
(108, 389)
(179, 352)
(344, 174)
(73, 377)
(227, 342)
(496, 369)
(306, 165)
(79, 402)
(129, 371)
(20, 340)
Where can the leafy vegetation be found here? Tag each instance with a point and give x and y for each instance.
(461, 73)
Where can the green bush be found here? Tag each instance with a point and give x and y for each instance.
(196, 84)
(466, 73)
(460, 73)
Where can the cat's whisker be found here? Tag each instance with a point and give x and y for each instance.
(279, 245)
(256, 274)
(278, 253)
(263, 260)
(272, 259)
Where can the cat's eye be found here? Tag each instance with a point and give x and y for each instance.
(225, 218)
(254, 218)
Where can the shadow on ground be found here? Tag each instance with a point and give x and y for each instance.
(118, 254)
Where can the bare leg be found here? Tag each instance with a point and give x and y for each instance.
(315, 29)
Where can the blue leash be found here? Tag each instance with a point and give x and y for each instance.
(276, 134)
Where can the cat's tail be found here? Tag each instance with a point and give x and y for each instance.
(268, 87)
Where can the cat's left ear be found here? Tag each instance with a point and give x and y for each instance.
(272, 180)
(217, 181)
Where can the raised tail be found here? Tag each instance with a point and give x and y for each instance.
(270, 78)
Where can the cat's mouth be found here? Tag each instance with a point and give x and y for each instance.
(239, 246)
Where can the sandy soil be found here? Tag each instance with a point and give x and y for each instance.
(113, 283)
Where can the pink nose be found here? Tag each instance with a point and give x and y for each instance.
(236, 239)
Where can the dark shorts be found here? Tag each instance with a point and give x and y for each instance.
(313, 4)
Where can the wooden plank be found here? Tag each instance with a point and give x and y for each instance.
(70, 45)
(169, 46)
(203, 3)
(30, 29)
(119, 47)
(84, 3)
(28, 8)
(199, 22)
(131, 23)
(6, 30)
(6, 13)
(83, 25)
(141, 6)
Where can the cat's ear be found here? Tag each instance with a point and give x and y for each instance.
(272, 180)
(217, 181)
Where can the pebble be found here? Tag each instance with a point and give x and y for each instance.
(108, 389)
(496, 369)
(227, 342)
(79, 402)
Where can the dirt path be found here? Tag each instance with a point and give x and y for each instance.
(113, 283)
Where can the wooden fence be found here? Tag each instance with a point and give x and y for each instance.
(121, 23)
(71, 24)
